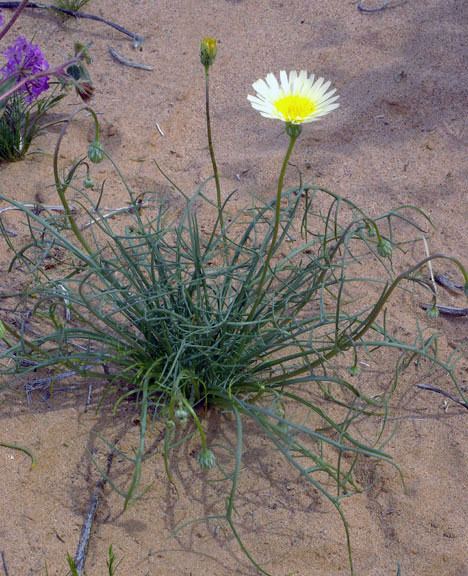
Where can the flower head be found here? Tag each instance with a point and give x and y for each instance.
(208, 50)
(95, 152)
(206, 459)
(23, 60)
(384, 248)
(295, 100)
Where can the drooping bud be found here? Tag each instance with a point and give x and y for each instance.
(88, 183)
(384, 248)
(432, 312)
(354, 370)
(206, 459)
(95, 152)
(78, 76)
(182, 415)
(208, 50)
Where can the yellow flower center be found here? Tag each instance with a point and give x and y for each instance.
(295, 108)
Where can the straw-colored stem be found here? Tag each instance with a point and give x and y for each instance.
(13, 19)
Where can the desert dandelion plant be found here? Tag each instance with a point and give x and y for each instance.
(296, 99)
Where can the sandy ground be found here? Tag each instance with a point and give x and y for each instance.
(399, 137)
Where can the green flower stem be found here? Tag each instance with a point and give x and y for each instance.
(212, 154)
(293, 136)
(62, 186)
(197, 422)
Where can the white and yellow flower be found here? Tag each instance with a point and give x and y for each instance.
(295, 100)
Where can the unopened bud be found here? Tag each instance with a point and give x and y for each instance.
(206, 459)
(432, 312)
(95, 152)
(384, 248)
(208, 50)
(182, 415)
(88, 183)
(354, 370)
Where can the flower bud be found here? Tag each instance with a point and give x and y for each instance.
(95, 152)
(384, 248)
(354, 370)
(88, 183)
(208, 50)
(206, 459)
(432, 312)
(182, 415)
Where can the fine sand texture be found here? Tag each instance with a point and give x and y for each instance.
(399, 137)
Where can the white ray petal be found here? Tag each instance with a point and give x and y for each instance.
(307, 98)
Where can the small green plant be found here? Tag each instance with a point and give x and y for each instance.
(73, 5)
(110, 563)
(21, 122)
(260, 318)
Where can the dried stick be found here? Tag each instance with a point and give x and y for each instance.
(447, 310)
(384, 6)
(446, 394)
(112, 213)
(122, 60)
(20, 6)
(81, 551)
(445, 282)
(137, 39)
(4, 564)
(37, 208)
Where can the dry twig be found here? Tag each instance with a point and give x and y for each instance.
(137, 39)
(4, 564)
(447, 310)
(112, 213)
(444, 393)
(122, 60)
(81, 551)
(445, 282)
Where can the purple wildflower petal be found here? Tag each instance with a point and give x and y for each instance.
(23, 60)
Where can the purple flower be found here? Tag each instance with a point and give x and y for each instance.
(1, 19)
(23, 60)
